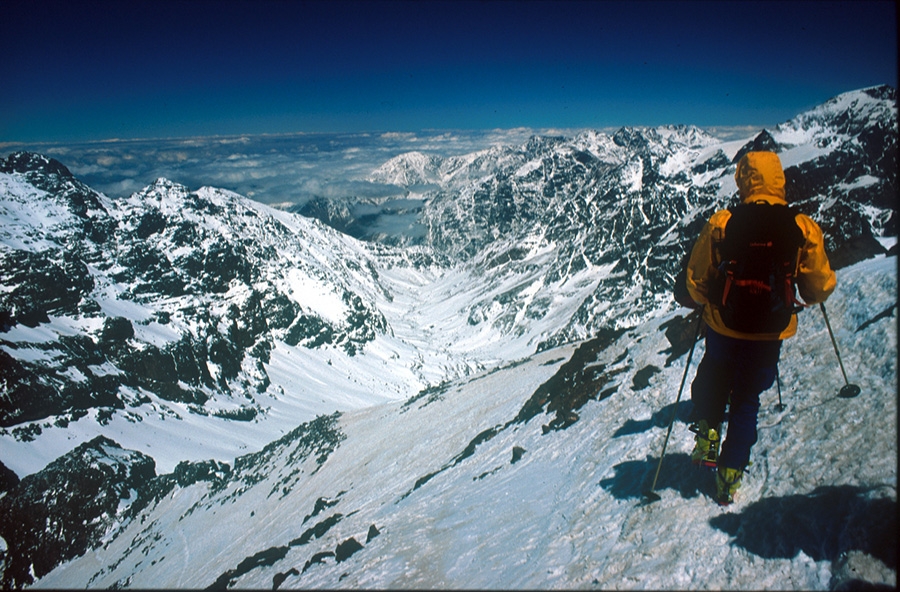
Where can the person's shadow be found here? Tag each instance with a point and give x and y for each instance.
(824, 524)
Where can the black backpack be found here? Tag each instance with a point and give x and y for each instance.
(755, 289)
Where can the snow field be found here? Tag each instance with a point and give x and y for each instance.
(569, 512)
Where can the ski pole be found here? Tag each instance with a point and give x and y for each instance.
(780, 407)
(848, 391)
(651, 495)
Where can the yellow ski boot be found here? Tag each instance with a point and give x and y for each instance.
(706, 449)
(727, 483)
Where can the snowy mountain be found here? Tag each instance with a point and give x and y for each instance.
(266, 401)
(609, 216)
(492, 482)
(183, 303)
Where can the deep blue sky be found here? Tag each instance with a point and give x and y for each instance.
(90, 69)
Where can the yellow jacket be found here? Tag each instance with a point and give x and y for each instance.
(759, 177)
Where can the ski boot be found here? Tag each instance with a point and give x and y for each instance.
(706, 450)
(727, 483)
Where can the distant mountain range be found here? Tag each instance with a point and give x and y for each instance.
(627, 206)
(190, 326)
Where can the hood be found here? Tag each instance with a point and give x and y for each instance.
(760, 174)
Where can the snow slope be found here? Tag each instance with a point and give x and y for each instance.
(477, 486)
(480, 410)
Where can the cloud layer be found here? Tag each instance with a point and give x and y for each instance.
(273, 169)
(280, 170)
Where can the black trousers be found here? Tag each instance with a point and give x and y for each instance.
(741, 370)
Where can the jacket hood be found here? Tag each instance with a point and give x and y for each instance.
(760, 174)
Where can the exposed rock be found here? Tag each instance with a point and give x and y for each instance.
(65, 509)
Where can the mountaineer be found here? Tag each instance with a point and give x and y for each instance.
(745, 270)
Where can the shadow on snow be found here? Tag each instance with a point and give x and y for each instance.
(660, 419)
(823, 524)
(633, 478)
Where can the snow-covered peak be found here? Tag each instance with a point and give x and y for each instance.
(30, 162)
(410, 168)
(847, 114)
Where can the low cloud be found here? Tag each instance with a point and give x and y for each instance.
(282, 169)
(734, 132)
(273, 169)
